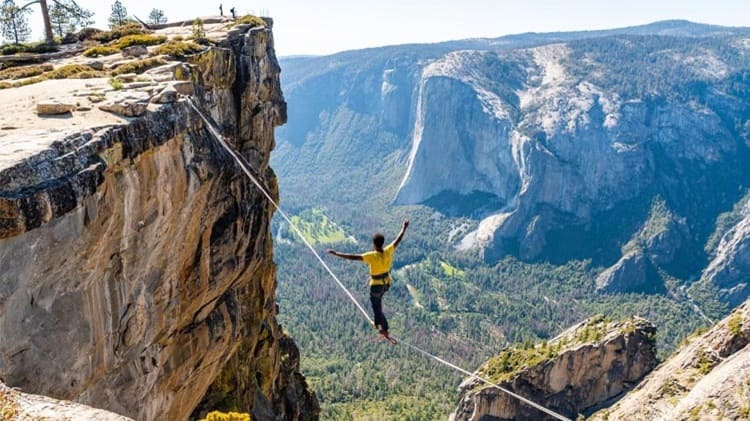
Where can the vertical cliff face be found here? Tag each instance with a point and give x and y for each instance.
(137, 259)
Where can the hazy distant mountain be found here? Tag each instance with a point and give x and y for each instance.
(626, 146)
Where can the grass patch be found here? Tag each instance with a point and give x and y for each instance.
(140, 39)
(449, 270)
(101, 50)
(318, 228)
(249, 20)
(178, 49)
(24, 72)
(139, 66)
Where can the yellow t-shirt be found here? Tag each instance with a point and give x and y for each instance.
(379, 262)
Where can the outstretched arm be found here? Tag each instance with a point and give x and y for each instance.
(346, 256)
(401, 234)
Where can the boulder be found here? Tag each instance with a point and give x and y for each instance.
(94, 64)
(134, 51)
(167, 95)
(127, 108)
(54, 108)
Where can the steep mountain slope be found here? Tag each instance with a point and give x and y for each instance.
(136, 258)
(707, 378)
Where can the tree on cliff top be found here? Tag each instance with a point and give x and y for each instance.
(157, 16)
(118, 16)
(75, 14)
(14, 23)
(66, 17)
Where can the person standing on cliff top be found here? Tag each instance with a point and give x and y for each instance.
(380, 261)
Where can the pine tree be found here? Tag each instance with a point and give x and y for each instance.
(59, 20)
(14, 22)
(118, 16)
(67, 17)
(157, 16)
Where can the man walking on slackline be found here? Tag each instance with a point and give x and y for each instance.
(380, 261)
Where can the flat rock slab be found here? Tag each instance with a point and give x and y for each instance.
(25, 133)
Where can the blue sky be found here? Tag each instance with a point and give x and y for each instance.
(327, 26)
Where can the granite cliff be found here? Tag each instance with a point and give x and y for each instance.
(623, 146)
(707, 378)
(572, 373)
(608, 369)
(136, 258)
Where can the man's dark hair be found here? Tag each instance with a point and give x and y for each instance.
(378, 240)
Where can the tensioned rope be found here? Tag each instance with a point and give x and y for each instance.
(245, 167)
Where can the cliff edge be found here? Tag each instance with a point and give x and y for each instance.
(136, 258)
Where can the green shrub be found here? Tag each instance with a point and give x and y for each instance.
(116, 84)
(72, 71)
(88, 33)
(24, 72)
(5, 85)
(178, 49)
(230, 416)
(126, 29)
(139, 66)
(142, 39)
(199, 31)
(13, 49)
(249, 20)
(705, 364)
(735, 324)
(101, 50)
(32, 48)
(41, 48)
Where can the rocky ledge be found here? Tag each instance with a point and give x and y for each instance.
(137, 259)
(571, 374)
(16, 405)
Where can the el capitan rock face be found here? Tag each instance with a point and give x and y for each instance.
(137, 259)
